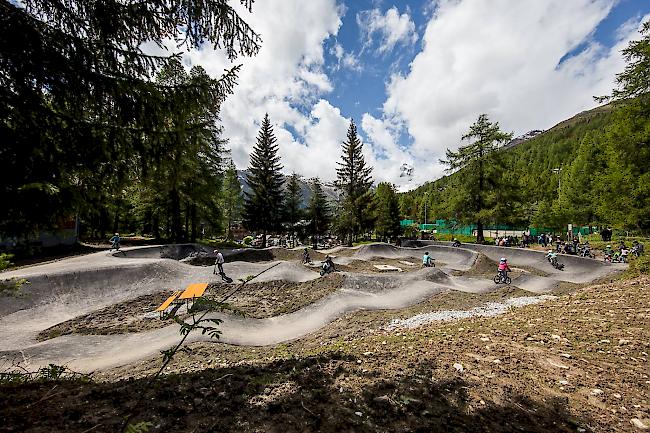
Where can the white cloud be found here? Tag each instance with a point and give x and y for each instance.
(391, 27)
(501, 58)
(345, 59)
(285, 80)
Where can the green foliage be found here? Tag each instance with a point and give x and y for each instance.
(354, 179)
(88, 129)
(140, 427)
(247, 240)
(387, 211)
(634, 81)
(481, 194)
(233, 199)
(49, 373)
(318, 211)
(263, 205)
(5, 261)
(638, 266)
(293, 212)
(11, 286)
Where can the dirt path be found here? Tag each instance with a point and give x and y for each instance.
(576, 363)
(255, 300)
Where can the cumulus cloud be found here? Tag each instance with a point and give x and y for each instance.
(286, 80)
(506, 59)
(345, 59)
(392, 28)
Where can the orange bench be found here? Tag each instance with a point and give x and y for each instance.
(194, 291)
(168, 302)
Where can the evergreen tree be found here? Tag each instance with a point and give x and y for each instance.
(81, 116)
(579, 198)
(625, 185)
(233, 199)
(353, 182)
(387, 211)
(293, 211)
(477, 199)
(318, 212)
(263, 204)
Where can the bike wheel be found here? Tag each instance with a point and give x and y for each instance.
(322, 273)
(508, 280)
(497, 279)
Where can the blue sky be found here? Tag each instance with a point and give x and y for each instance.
(358, 92)
(414, 75)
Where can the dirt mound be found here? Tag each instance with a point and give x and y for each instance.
(482, 267)
(120, 318)
(567, 365)
(257, 300)
(273, 298)
(357, 265)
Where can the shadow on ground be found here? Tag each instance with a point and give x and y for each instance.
(296, 395)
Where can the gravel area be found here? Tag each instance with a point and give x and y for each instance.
(490, 309)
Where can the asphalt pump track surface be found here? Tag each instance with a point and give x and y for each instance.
(65, 289)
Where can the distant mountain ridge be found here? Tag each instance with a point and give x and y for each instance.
(305, 190)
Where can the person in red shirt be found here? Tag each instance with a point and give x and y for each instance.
(503, 267)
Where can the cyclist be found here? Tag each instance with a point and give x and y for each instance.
(503, 268)
(427, 260)
(115, 241)
(608, 252)
(305, 257)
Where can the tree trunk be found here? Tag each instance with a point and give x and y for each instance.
(264, 239)
(116, 221)
(479, 232)
(194, 221)
(155, 226)
(186, 232)
(147, 226)
(175, 208)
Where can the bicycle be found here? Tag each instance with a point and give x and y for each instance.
(500, 278)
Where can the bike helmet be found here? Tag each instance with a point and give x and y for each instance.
(608, 246)
(503, 259)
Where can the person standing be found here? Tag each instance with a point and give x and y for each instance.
(219, 262)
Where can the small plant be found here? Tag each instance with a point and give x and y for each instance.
(141, 427)
(53, 372)
(11, 286)
(248, 240)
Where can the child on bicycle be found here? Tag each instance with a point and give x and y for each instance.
(503, 268)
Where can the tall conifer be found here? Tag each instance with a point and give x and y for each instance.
(354, 180)
(263, 206)
(318, 212)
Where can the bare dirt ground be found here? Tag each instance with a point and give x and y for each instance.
(572, 364)
(258, 300)
(366, 266)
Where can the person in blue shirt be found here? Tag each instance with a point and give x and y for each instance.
(115, 241)
(427, 260)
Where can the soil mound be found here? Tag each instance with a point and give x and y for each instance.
(256, 300)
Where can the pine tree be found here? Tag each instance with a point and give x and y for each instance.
(81, 116)
(477, 197)
(263, 205)
(354, 180)
(318, 212)
(387, 211)
(233, 199)
(293, 211)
